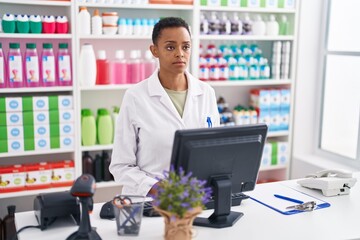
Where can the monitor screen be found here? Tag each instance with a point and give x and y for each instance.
(228, 158)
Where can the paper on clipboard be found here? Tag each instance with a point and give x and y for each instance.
(266, 197)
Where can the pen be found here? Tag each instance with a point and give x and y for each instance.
(208, 120)
(288, 199)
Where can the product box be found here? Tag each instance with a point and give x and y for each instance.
(3, 146)
(38, 175)
(282, 153)
(11, 119)
(270, 4)
(15, 145)
(42, 143)
(41, 117)
(66, 129)
(233, 3)
(210, 3)
(11, 132)
(264, 116)
(260, 98)
(65, 102)
(13, 104)
(41, 130)
(35, 103)
(63, 173)
(66, 116)
(288, 4)
(274, 120)
(284, 120)
(66, 142)
(284, 99)
(250, 3)
(12, 178)
(266, 156)
(275, 98)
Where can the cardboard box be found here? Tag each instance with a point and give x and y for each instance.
(11, 119)
(11, 132)
(67, 142)
(15, 145)
(13, 104)
(12, 178)
(260, 98)
(42, 143)
(38, 175)
(266, 157)
(63, 173)
(65, 102)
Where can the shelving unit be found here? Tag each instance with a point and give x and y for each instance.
(111, 95)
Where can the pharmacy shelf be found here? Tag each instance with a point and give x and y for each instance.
(106, 87)
(274, 167)
(115, 37)
(140, 6)
(96, 148)
(33, 192)
(277, 134)
(264, 82)
(36, 89)
(36, 36)
(245, 38)
(31, 153)
(247, 10)
(38, 2)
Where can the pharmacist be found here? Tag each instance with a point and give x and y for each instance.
(152, 110)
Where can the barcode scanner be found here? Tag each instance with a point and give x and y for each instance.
(84, 188)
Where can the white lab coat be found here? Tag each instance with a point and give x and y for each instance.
(146, 126)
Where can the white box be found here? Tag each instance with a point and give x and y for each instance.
(66, 116)
(67, 142)
(41, 130)
(266, 157)
(66, 129)
(271, 4)
(42, 143)
(213, 3)
(15, 132)
(41, 117)
(285, 99)
(284, 120)
(275, 98)
(253, 3)
(289, 4)
(13, 104)
(14, 119)
(65, 102)
(40, 103)
(15, 145)
(233, 3)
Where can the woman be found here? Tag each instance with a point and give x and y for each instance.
(152, 110)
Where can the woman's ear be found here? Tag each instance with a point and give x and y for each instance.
(154, 51)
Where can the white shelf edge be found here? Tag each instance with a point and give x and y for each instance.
(37, 2)
(246, 38)
(249, 82)
(115, 37)
(107, 184)
(274, 167)
(106, 87)
(145, 6)
(249, 10)
(278, 134)
(28, 192)
(96, 148)
(36, 89)
(36, 35)
(30, 153)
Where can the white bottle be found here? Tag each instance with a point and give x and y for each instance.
(96, 23)
(122, 27)
(87, 66)
(204, 24)
(84, 21)
(272, 27)
(236, 25)
(258, 27)
(225, 25)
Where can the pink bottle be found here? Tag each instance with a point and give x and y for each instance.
(135, 68)
(64, 66)
(48, 66)
(32, 71)
(149, 64)
(102, 66)
(118, 69)
(15, 66)
(2, 69)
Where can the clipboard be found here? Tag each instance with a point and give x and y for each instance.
(265, 196)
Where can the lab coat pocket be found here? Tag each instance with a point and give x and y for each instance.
(207, 121)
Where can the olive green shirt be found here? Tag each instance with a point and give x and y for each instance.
(178, 98)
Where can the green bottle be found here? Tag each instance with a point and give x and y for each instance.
(104, 127)
(88, 128)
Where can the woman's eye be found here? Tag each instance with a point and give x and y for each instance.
(187, 47)
(170, 48)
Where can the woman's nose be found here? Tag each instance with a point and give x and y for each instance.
(179, 53)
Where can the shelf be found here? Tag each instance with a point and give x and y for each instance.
(264, 82)
(144, 6)
(274, 167)
(96, 148)
(34, 35)
(31, 153)
(107, 87)
(37, 89)
(248, 10)
(246, 38)
(278, 134)
(38, 2)
(33, 192)
(116, 37)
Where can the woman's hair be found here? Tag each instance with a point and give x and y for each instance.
(168, 22)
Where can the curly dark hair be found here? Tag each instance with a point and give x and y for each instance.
(168, 22)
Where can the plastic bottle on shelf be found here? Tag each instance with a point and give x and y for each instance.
(247, 25)
(106, 160)
(122, 27)
(102, 66)
(118, 69)
(9, 228)
(48, 65)
(15, 66)
(88, 128)
(258, 26)
(96, 23)
(84, 21)
(272, 27)
(64, 74)
(87, 164)
(149, 64)
(224, 25)
(284, 26)
(204, 24)
(264, 69)
(236, 25)
(32, 70)
(104, 127)
(214, 24)
(87, 66)
(243, 69)
(98, 168)
(2, 69)
(115, 114)
(134, 68)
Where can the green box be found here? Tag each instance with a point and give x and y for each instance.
(29, 144)
(28, 131)
(54, 130)
(28, 118)
(224, 3)
(274, 153)
(2, 105)
(3, 146)
(53, 102)
(54, 116)
(3, 133)
(27, 102)
(54, 142)
(3, 119)
(281, 3)
(203, 2)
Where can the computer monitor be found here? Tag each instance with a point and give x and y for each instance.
(228, 158)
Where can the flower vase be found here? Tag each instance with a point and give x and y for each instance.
(178, 228)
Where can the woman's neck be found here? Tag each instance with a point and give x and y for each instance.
(175, 82)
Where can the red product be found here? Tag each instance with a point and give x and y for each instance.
(62, 27)
(102, 67)
(63, 173)
(12, 178)
(38, 175)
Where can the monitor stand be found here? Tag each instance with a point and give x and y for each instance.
(222, 216)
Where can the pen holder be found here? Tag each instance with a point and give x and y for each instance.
(128, 216)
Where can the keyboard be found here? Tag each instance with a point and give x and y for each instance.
(236, 199)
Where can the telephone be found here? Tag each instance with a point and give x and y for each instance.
(330, 182)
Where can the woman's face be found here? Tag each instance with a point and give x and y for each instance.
(173, 49)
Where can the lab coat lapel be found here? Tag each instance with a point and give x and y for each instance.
(194, 92)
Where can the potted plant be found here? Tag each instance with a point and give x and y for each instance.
(179, 199)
